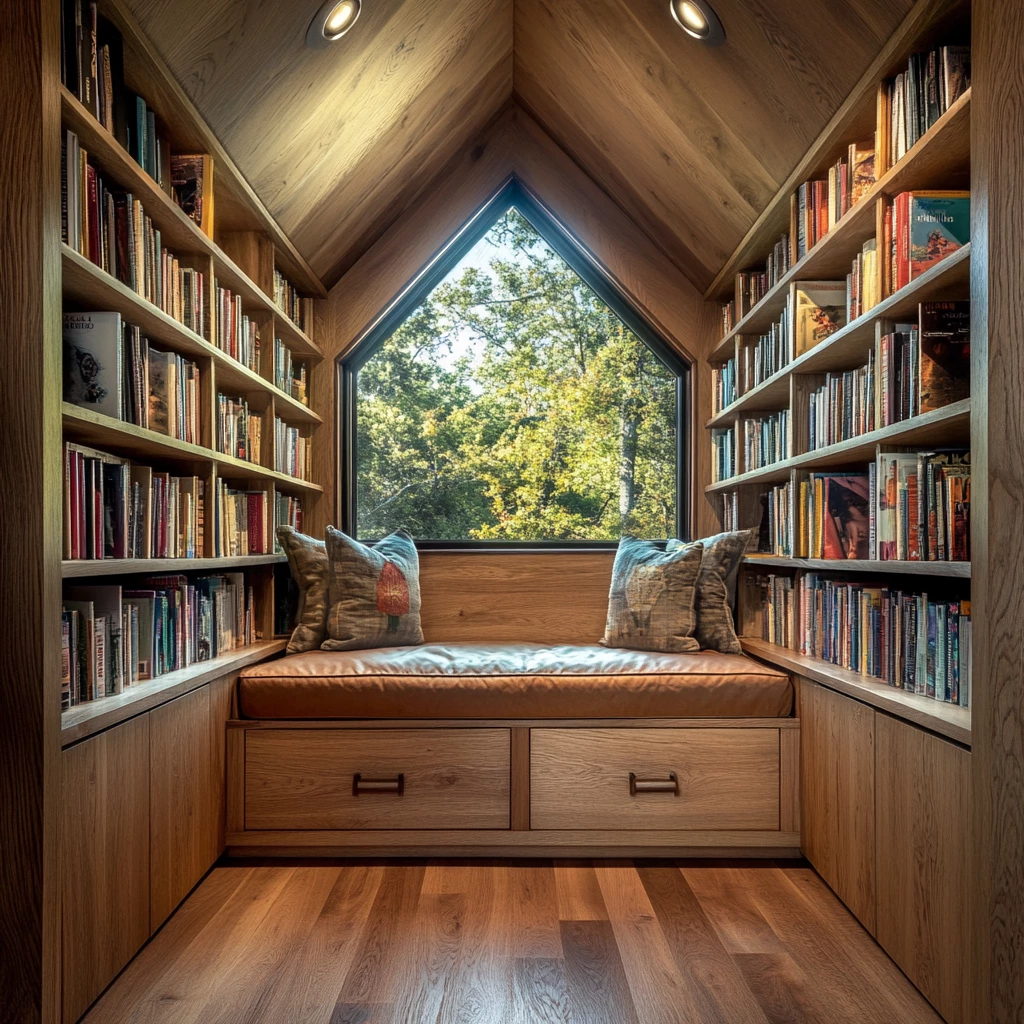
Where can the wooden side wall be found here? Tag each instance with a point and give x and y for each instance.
(552, 598)
(997, 431)
(30, 511)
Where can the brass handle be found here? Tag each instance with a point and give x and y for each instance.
(361, 785)
(668, 785)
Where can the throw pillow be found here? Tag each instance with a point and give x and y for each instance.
(307, 559)
(374, 593)
(651, 603)
(716, 588)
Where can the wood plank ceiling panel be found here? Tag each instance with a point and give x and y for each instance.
(338, 142)
(691, 141)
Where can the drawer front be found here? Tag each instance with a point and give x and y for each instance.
(306, 778)
(723, 779)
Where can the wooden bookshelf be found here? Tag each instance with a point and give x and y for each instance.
(85, 720)
(945, 719)
(88, 568)
(941, 159)
(952, 570)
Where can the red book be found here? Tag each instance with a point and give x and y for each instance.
(902, 241)
(92, 214)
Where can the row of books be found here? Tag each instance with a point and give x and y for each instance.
(843, 407)
(235, 333)
(920, 229)
(114, 637)
(723, 385)
(291, 450)
(114, 508)
(239, 429)
(290, 375)
(287, 298)
(723, 454)
(766, 440)
(752, 286)
(730, 511)
(241, 522)
(910, 104)
(110, 367)
(92, 67)
(863, 283)
(287, 512)
(906, 506)
(817, 206)
(771, 352)
(111, 229)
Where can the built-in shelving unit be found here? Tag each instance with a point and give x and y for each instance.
(939, 160)
(246, 248)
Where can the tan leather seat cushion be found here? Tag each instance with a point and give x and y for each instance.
(518, 680)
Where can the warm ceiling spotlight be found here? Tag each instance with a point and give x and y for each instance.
(697, 19)
(332, 21)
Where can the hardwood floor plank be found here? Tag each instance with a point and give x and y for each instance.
(371, 977)
(540, 993)
(701, 959)
(830, 945)
(579, 895)
(654, 980)
(725, 899)
(261, 958)
(595, 978)
(782, 990)
(533, 904)
(308, 990)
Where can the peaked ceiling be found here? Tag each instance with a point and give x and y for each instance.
(691, 141)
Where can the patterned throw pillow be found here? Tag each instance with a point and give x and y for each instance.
(307, 559)
(716, 588)
(651, 604)
(374, 593)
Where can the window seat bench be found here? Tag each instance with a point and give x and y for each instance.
(513, 749)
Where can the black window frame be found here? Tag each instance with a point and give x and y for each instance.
(583, 262)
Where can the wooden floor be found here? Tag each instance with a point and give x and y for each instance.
(650, 942)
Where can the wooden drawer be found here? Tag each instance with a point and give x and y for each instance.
(727, 778)
(303, 778)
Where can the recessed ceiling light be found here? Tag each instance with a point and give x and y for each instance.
(332, 21)
(697, 19)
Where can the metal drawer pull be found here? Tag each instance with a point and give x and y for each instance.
(362, 786)
(669, 785)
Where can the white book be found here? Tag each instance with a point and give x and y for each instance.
(94, 362)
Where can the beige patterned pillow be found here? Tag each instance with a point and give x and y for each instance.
(651, 604)
(307, 559)
(374, 593)
(716, 588)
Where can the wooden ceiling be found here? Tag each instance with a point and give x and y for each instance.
(691, 141)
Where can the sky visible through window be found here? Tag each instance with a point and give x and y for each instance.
(513, 405)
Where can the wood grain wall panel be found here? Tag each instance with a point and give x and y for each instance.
(105, 871)
(997, 543)
(221, 694)
(540, 598)
(837, 794)
(923, 838)
(30, 481)
(184, 800)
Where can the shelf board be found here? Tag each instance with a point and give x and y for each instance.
(848, 348)
(179, 233)
(91, 287)
(294, 337)
(950, 425)
(125, 438)
(945, 719)
(90, 567)
(944, 149)
(85, 720)
(953, 570)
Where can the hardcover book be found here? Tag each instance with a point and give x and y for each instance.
(944, 373)
(939, 223)
(846, 516)
(819, 310)
(93, 371)
(192, 184)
